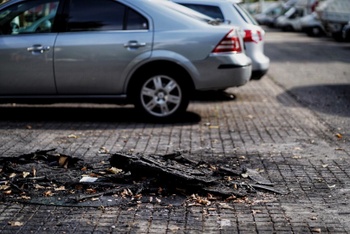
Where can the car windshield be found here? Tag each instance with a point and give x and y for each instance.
(192, 13)
(245, 14)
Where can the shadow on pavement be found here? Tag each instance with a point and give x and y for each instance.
(214, 96)
(76, 113)
(329, 99)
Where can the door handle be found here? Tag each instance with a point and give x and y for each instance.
(134, 44)
(38, 49)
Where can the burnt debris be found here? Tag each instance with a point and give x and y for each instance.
(44, 175)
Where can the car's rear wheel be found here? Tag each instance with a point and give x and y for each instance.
(161, 95)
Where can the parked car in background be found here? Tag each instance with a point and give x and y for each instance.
(346, 32)
(269, 15)
(151, 53)
(292, 19)
(230, 12)
(334, 15)
(312, 26)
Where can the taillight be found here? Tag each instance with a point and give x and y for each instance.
(230, 43)
(252, 36)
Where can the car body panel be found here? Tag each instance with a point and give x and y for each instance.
(93, 65)
(233, 14)
(25, 72)
(102, 62)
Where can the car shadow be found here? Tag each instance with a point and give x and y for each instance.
(213, 96)
(14, 114)
(77, 113)
(328, 98)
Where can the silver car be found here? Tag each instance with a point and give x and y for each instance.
(150, 53)
(231, 12)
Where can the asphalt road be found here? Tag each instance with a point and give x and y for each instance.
(316, 71)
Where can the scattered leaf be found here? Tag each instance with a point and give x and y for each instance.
(38, 186)
(15, 223)
(318, 230)
(7, 192)
(339, 136)
(114, 170)
(63, 161)
(25, 174)
(61, 188)
(48, 193)
(72, 136)
(4, 187)
(103, 150)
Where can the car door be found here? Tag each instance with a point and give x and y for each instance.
(102, 39)
(26, 48)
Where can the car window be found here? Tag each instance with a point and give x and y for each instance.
(245, 14)
(28, 17)
(98, 15)
(189, 12)
(212, 11)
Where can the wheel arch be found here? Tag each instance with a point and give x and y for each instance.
(160, 65)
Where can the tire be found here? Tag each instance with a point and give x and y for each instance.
(161, 95)
(315, 32)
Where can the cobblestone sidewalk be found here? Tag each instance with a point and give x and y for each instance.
(263, 128)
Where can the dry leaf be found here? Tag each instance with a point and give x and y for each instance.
(48, 193)
(25, 197)
(90, 190)
(61, 188)
(4, 187)
(38, 186)
(15, 223)
(12, 175)
(72, 136)
(34, 172)
(25, 174)
(63, 161)
(7, 192)
(338, 135)
(103, 150)
(114, 170)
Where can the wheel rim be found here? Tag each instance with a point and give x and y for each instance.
(315, 31)
(161, 96)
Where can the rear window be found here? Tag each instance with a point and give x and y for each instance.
(188, 11)
(245, 14)
(212, 11)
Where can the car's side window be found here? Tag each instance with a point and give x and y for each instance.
(28, 17)
(135, 21)
(212, 11)
(102, 15)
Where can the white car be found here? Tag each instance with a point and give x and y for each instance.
(231, 12)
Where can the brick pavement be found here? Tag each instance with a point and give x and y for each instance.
(264, 128)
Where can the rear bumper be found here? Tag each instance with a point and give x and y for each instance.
(221, 71)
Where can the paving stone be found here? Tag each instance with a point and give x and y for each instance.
(264, 129)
